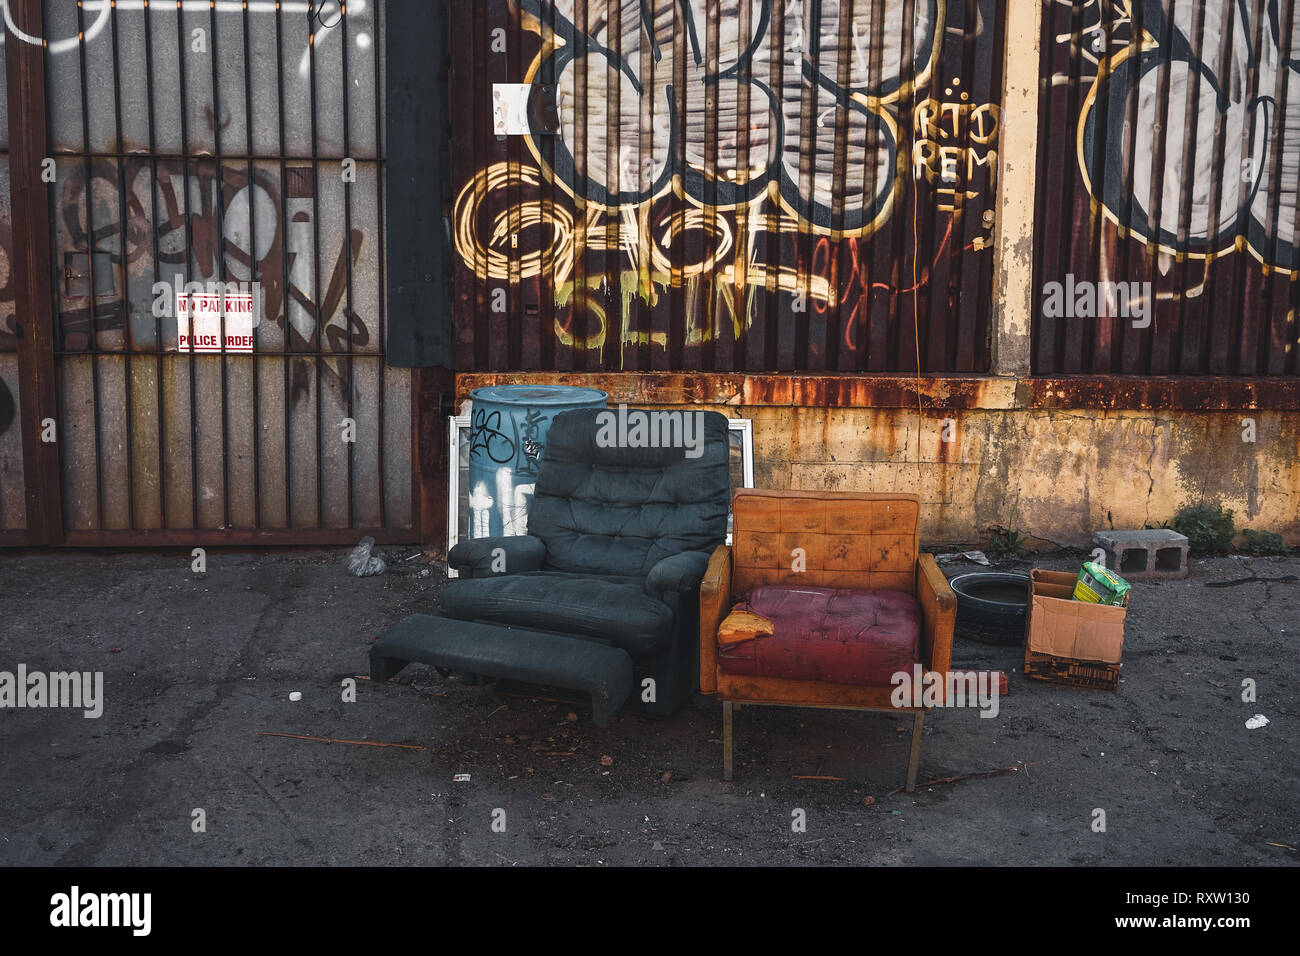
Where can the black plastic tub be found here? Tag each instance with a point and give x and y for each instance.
(991, 606)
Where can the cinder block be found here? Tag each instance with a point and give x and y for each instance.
(1150, 553)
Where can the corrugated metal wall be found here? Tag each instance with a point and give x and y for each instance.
(223, 142)
(726, 184)
(1170, 155)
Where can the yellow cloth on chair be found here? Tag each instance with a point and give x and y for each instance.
(743, 626)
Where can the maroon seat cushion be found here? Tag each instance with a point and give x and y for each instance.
(827, 634)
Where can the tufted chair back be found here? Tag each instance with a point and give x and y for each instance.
(620, 510)
(848, 539)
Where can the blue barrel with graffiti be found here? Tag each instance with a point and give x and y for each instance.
(508, 426)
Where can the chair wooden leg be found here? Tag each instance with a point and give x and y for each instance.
(915, 760)
(726, 740)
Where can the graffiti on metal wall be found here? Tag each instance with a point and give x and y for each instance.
(799, 127)
(771, 119)
(186, 232)
(1206, 90)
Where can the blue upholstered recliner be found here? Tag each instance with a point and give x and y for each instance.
(618, 540)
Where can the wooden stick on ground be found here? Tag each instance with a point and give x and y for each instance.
(967, 776)
(336, 740)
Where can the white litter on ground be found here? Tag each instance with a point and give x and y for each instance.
(295, 695)
(460, 778)
(1259, 720)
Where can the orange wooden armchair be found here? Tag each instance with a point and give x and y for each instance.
(891, 607)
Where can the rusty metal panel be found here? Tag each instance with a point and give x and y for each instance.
(13, 506)
(217, 144)
(1169, 162)
(13, 515)
(724, 185)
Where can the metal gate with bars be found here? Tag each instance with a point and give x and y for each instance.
(227, 147)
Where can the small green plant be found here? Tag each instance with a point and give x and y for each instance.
(1209, 528)
(1007, 541)
(1264, 542)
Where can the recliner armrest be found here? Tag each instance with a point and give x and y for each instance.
(676, 574)
(939, 612)
(480, 557)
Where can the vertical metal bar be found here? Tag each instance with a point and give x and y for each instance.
(962, 353)
(1220, 345)
(878, 323)
(157, 322)
(839, 169)
(1290, 307)
(128, 332)
(189, 259)
(740, 291)
(809, 95)
(319, 333)
(677, 319)
(286, 346)
(1069, 341)
(221, 269)
(33, 275)
(579, 311)
(612, 259)
(773, 237)
(651, 55)
(1272, 361)
(712, 66)
(253, 273)
(350, 384)
(896, 356)
(92, 309)
(1186, 268)
(549, 191)
(1254, 325)
(382, 319)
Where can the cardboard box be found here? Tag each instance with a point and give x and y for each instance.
(1069, 641)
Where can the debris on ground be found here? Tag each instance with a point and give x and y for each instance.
(868, 801)
(460, 778)
(1015, 768)
(607, 761)
(979, 557)
(1256, 722)
(336, 740)
(295, 695)
(361, 562)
